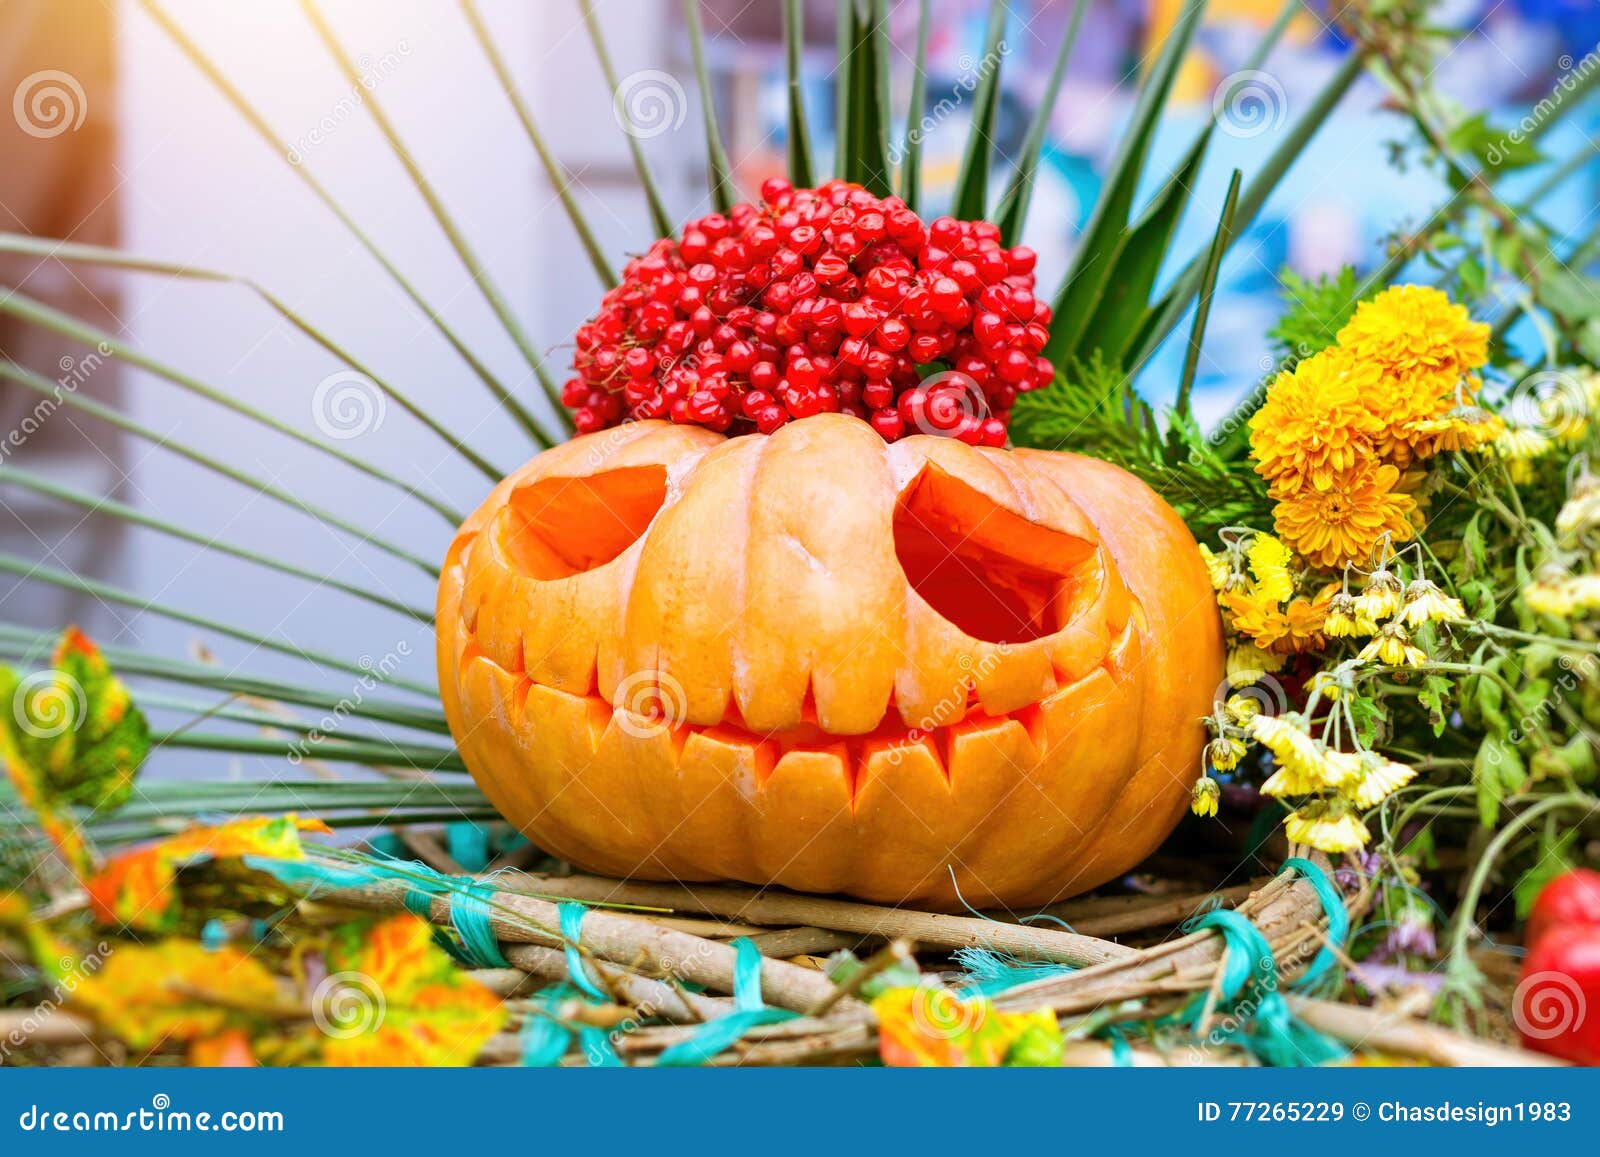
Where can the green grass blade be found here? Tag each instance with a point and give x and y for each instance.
(325, 751)
(1012, 213)
(32, 571)
(557, 176)
(34, 312)
(911, 154)
(58, 395)
(487, 287)
(288, 723)
(719, 172)
(104, 504)
(647, 181)
(26, 646)
(69, 251)
(802, 167)
(241, 104)
(1208, 284)
(970, 199)
(1090, 271)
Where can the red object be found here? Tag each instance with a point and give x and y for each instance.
(818, 300)
(1571, 898)
(1557, 1003)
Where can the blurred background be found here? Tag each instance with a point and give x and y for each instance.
(111, 136)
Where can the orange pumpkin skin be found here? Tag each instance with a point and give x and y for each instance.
(670, 655)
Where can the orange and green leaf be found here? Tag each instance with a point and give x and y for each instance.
(927, 1026)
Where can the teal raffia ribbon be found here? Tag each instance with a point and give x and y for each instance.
(1333, 908)
(1262, 1021)
(546, 1039)
(749, 1011)
(571, 913)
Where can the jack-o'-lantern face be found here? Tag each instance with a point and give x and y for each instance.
(821, 661)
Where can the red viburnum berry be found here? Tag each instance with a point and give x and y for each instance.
(818, 300)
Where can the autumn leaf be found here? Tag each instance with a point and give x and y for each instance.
(927, 1026)
(176, 990)
(71, 737)
(138, 888)
(393, 997)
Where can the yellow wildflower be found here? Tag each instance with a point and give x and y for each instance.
(1346, 619)
(1345, 521)
(1382, 595)
(1242, 709)
(1203, 798)
(1218, 567)
(1581, 512)
(1378, 779)
(1328, 826)
(1426, 603)
(1519, 446)
(1315, 422)
(1550, 595)
(1225, 752)
(1248, 663)
(1392, 647)
(1289, 739)
(1269, 564)
(1325, 769)
(1326, 685)
(1411, 329)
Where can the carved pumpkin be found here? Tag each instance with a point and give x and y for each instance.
(826, 662)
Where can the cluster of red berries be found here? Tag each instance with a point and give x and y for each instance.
(818, 300)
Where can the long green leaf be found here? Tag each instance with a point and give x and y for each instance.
(719, 172)
(327, 751)
(802, 168)
(69, 251)
(647, 181)
(553, 171)
(1208, 284)
(911, 154)
(35, 312)
(1012, 213)
(481, 277)
(970, 199)
(58, 395)
(32, 571)
(241, 104)
(1174, 303)
(106, 505)
(289, 724)
(862, 148)
(1086, 278)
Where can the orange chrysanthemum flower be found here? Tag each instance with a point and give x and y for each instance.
(1316, 421)
(1343, 521)
(1416, 329)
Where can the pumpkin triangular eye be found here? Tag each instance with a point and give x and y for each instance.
(992, 573)
(559, 527)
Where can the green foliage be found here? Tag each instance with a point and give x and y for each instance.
(1315, 310)
(1093, 409)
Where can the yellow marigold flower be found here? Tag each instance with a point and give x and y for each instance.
(1203, 799)
(1305, 621)
(1315, 421)
(1289, 739)
(1466, 427)
(1324, 769)
(1218, 567)
(1426, 603)
(1248, 663)
(1345, 521)
(1255, 616)
(1377, 779)
(1269, 565)
(1346, 619)
(1225, 752)
(1327, 826)
(1411, 329)
(1392, 647)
